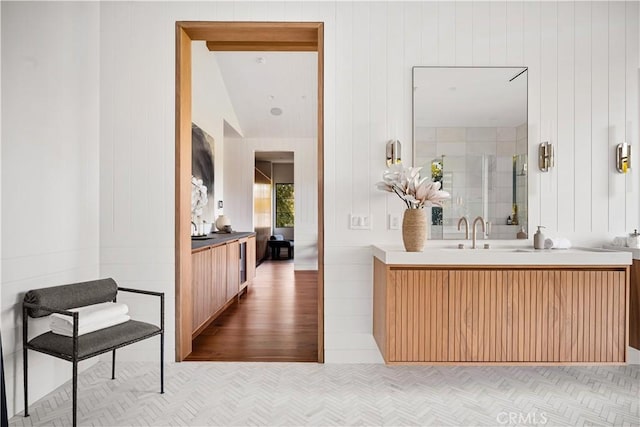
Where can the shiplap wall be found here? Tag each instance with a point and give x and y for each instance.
(582, 59)
(50, 171)
(210, 109)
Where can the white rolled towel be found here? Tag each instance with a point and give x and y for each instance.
(557, 243)
(90, 318)
(620, 241)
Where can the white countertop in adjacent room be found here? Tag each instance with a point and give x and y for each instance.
(504, 252)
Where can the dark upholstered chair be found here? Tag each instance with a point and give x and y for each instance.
(277, 242)
(59, 299)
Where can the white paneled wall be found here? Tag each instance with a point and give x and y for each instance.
(50, 171)
(210, 108)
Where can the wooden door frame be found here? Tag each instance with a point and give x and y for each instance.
(233, 36)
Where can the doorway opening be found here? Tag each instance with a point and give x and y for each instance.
(274, 205)
(238, 36)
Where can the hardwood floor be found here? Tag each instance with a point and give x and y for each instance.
(276, 320)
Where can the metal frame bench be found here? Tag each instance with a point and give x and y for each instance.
(59, 299)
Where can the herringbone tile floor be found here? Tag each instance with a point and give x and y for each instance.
(265, 394)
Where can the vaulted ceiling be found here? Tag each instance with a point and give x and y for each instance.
(274, 94)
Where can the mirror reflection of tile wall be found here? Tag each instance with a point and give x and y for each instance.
(474, 160)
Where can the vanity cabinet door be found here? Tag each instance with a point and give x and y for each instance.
(418, 315)
(219, 278)
(537, 316)
(201, 290)
(477, 315)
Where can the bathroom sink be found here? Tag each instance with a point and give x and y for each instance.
(491, 249)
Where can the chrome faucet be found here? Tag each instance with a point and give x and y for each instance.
(466, 226)
(475, 221)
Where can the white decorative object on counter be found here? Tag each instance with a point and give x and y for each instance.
(223, 222)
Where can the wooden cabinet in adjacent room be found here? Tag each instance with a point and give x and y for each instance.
(201, 292)
(216, 278)
(233, 269)
(209, 290)
(251, 258)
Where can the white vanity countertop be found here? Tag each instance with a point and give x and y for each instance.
(500, 253)
(635, 252)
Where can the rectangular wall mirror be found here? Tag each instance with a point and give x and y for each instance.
(470, 133)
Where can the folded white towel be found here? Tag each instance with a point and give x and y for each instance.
(557, 243)
(66, 329)
(90, 318)
(620, 241)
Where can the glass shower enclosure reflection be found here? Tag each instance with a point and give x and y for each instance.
(491, 186)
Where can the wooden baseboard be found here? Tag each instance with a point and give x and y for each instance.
(306, 273)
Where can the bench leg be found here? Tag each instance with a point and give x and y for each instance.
(162, 363)
(75, 393)
(26, 382)
(113, 365)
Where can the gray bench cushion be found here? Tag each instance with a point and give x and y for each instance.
(71, 296)
(94, 342)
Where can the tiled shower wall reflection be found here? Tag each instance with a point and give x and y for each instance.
(479, 171)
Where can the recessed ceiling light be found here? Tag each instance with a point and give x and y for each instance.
(453, 88)
(260, 60)
(304, 96)
(275, 111)
(271, 97)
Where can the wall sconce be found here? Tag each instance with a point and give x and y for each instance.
(623, 157)
(394, 152)
(545, 156)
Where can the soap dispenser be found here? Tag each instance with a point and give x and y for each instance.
(633, 241)
(521, 234)
(538, 238)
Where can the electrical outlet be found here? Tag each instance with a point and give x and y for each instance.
(394, 222)
(359, 222)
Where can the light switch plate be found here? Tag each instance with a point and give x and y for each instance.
(394, 222)
(359, 222)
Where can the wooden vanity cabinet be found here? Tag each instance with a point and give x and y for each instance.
(634, 305)
(504, 315)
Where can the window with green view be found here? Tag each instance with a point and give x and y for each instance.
(284, 205)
